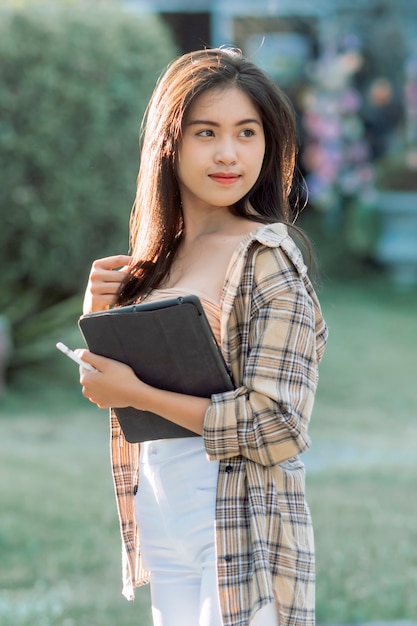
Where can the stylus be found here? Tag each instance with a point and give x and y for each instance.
(72, 355)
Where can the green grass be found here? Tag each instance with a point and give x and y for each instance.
(59, 538)
(363, 462)
(366, 536)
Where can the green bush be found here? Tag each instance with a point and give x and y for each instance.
(74, 83)
(73, 88)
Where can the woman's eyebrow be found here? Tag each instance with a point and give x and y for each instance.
(216, 124)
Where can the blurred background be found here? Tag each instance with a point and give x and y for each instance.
(75, 77)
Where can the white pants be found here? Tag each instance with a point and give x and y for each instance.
(175, 510)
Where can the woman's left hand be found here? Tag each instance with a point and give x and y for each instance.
(113, 384)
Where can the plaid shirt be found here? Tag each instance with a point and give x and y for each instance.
(273, 337)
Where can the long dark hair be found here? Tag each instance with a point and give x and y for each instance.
(156, 221)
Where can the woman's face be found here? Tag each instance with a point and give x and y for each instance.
(221, 151)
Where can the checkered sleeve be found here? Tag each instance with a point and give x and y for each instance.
(266, 418)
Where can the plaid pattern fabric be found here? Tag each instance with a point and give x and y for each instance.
(273, 338)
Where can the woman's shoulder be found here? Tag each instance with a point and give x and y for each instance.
(266, 260)
(278, 252)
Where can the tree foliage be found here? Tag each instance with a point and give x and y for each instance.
(74, 84)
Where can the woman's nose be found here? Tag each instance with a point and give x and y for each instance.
(226, 152)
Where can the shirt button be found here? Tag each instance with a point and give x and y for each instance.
(135, 490)
(229, 469)
(228, 558)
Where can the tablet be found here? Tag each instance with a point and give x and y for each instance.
(170, 345)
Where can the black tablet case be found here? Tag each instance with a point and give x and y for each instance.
(170, 345)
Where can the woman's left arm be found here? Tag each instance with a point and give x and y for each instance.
(266, 419)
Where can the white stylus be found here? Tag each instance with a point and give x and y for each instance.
(72, 355)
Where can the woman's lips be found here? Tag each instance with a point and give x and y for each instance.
(225, 179)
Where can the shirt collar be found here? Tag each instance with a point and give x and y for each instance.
(275, 236)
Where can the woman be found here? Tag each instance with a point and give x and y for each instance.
(222, 529)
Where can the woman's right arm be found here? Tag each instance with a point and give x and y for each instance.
(104, 282)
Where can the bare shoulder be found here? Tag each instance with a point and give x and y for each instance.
(237, 231)
(242, 226)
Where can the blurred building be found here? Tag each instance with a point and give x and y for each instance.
(350, 69)
(217, 22)
(285, 36)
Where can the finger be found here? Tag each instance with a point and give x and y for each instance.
(99, 297)
(116, 261)
(85, 355)
(98, 362)
(99, 303)
(100, 286)
(111, 279)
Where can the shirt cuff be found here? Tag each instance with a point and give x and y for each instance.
(220, 431)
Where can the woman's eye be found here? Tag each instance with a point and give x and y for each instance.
(247, 132)
(205, 133)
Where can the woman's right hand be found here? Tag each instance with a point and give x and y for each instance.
(104, 282)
